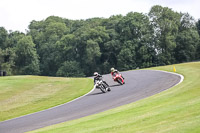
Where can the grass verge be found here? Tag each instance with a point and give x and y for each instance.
(21, 95)
(174, 110)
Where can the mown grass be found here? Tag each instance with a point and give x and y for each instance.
(21, 95)
(176, 110)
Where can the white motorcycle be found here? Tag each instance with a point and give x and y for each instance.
(102, 86)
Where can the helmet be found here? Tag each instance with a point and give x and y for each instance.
(95, 73)
(112, 69)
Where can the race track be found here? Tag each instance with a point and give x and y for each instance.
(139, 84)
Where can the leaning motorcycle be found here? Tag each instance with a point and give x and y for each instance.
(118, 78)
(102, 86)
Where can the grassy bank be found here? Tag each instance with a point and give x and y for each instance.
(21, 95)
(176, 110)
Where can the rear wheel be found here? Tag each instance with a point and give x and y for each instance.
(107, 86)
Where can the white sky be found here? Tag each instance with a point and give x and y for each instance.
(17, 14)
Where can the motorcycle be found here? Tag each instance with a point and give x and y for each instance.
(102, 86)
(118, 78)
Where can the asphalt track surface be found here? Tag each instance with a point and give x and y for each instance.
(139, 84)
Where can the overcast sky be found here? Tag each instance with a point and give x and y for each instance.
(17, 14)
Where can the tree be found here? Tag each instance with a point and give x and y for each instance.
(55, 28)
(198, 47)
(187, 40)
(135, 28)
(70, 69)
(13, 38)
(90, 42)
(110, 53)
(111, 48)
(198, 26)
(92, 55)
(3, 37)
(165, 23)
(7, 60)
(26, 60)
(36, 31)
(54, 31)
(127, 57)
(47, 34)
(67, 48)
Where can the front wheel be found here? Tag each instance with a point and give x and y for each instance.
(119, 80)
(103, 89)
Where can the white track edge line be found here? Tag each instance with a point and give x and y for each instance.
(181, 76)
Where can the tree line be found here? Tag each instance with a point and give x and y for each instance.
(61, 47)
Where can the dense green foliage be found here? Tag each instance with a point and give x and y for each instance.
(61, 47)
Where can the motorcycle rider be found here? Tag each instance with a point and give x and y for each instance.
(97, 76)
(113, 71)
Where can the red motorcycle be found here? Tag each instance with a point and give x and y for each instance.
(118, 78)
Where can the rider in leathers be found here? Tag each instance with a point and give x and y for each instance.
(113, 71)
(97, 76)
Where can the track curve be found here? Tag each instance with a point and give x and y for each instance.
(139, 84)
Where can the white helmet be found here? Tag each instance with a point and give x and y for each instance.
(96, 74)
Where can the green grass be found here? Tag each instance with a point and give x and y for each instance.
(21, 95)
(176, 110)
